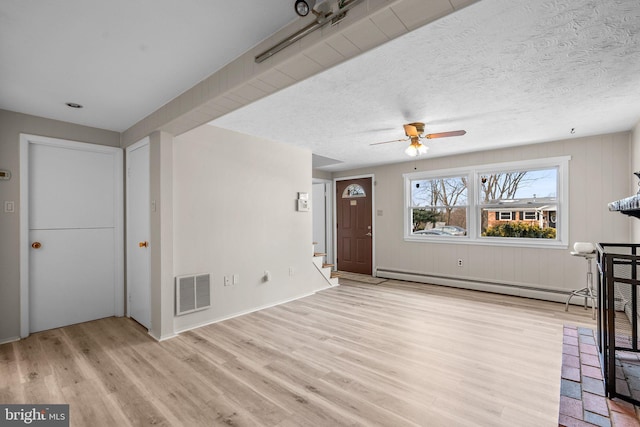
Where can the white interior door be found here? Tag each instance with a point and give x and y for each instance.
(138, 233)
(322, 208)
(74, 207)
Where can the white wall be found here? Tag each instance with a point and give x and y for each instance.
(234, 199)
(161, 228)
(599, 172)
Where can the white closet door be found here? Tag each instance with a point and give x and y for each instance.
(73, 233)
(138, 232)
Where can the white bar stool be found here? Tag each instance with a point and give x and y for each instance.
(587, 251)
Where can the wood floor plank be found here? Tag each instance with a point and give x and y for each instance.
(393, 354)
(108, 365)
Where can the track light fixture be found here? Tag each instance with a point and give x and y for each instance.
(303, 7)
(324, 16)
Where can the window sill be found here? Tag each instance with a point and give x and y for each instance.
(489, 241)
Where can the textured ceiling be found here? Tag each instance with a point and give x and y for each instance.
(121, 59)
(508, 71)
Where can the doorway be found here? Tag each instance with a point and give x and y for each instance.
(322, 207)
(354, 225)
(71, 234)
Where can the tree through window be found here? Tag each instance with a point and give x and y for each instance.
(439, 206)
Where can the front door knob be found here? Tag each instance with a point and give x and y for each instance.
(143, 244)
(36, 245)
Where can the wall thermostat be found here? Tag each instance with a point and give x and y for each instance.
(303, 202)
(5, 174)
(303, 205)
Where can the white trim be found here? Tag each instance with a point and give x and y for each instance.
(143, 142)
(9, 340)
(473, 221)
(25, 140)
(24, 236)
(447, 173)
(373, 218)
(162, 338)
(505, 219)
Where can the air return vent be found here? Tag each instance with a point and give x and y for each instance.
(192, 293)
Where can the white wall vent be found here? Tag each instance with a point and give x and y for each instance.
(193, 293)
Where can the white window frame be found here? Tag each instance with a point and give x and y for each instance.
(439, 174)
(534, 213)
(473, 174)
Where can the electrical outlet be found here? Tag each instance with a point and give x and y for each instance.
(227, 281)
(460, 262)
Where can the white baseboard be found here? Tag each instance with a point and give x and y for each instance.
(162, 338)
(8, 340)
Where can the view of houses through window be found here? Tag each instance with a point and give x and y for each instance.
(509, 204)
(519, 204)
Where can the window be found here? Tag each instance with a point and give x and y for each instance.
(354, 190)
(504, 216)
(525, 192)
(439, 206)
(517, 203)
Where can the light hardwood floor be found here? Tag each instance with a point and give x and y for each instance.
(394, 354)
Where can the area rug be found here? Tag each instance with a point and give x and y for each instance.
(363, 278)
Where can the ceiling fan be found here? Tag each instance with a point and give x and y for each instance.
(415, 132)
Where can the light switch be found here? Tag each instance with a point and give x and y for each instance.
(9, 206)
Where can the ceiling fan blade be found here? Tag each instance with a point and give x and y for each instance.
(387, 142)
(410, 130)
(445, 134)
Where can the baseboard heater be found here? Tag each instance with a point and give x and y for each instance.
(556, 295)
(193, 293)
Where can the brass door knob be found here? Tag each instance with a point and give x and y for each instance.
(36, 245)
(143, 244)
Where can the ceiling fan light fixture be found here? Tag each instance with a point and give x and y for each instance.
(411, 151)
(415, 133)
(415, 148)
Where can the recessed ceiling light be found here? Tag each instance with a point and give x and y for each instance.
(73, 105)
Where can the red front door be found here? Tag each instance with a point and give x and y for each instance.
(354, 225)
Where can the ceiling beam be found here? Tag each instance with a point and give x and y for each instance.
(243, 81)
